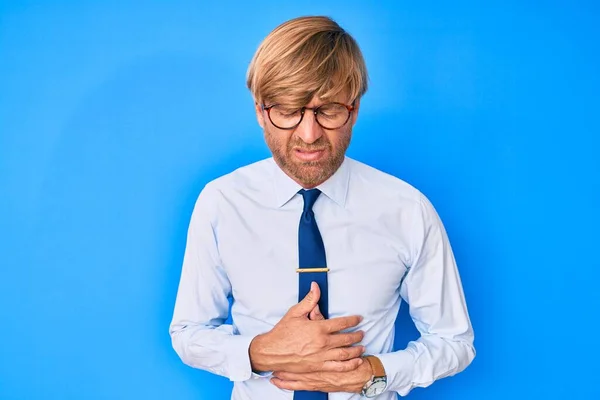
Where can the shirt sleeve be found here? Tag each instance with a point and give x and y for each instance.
(433, 290)
(198, 331)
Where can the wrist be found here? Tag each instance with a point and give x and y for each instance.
(366, 374)
(257, 358)
(377, 381)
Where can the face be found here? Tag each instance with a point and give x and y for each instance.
(309, 154)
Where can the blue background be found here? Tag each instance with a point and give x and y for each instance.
(113, 115)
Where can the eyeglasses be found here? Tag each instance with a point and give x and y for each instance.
(328, 116)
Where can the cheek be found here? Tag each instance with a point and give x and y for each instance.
(276, 141)
(339, 139)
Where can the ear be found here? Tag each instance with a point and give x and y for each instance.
(355, 112)
(259, 115)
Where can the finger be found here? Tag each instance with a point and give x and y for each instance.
(341, 366)
(308, 303)
(315, 314)
(344, 339)
(340, 323)
(295, 376)
(344, 353)
(291, 385)
(314, 370)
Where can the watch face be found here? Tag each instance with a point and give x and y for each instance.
(376, 388)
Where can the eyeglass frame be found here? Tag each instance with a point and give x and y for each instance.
(315, 110)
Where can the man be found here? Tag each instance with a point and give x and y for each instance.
(316, 250)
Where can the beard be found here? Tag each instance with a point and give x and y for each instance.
(308, 173)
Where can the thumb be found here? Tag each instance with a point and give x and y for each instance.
(315, 314)
(308, 303)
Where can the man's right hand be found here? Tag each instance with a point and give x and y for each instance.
(299, 344)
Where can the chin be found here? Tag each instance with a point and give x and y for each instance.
(308, 173)
(312, 173)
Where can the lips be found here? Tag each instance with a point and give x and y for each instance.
(309, 155)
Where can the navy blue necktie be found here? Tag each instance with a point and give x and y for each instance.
(312, 255)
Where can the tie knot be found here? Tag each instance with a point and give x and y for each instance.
(310, 196)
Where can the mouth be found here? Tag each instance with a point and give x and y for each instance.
(309, 155)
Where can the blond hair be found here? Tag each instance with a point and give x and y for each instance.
(307, 57)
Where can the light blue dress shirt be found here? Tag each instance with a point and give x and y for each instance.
(384, 242)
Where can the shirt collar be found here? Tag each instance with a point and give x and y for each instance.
(336, 187)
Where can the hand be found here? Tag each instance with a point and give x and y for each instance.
(315, 314)
(350, 382)
(299, 344)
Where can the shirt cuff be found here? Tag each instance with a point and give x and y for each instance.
(399, 368)
(238, 356)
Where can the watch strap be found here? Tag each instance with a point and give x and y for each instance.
(377, 366)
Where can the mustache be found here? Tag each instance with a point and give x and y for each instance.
(319, 144)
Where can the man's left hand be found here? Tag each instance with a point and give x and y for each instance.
(349, 382)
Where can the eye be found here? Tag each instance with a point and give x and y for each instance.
(286, 111)
(332, 111)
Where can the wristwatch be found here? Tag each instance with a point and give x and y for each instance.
(378, 382)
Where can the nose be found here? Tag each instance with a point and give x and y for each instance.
(309, 130)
